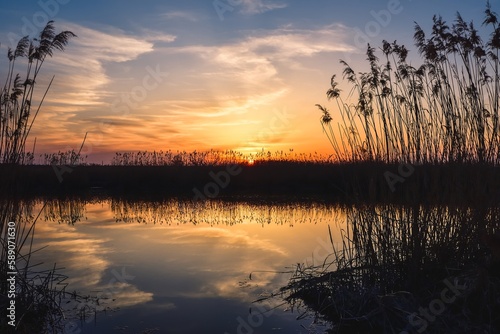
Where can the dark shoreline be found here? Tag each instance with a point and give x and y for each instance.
(365, 182)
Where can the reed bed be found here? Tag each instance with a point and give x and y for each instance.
(445, 110)
(212, 158)
(176, 158)
(177, 211)
(396, 260)
(393, 262)
(66, 158)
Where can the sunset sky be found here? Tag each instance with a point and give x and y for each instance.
(203, 74)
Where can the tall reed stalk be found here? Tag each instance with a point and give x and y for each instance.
(445, 110)
(17, 96)
(37, 293)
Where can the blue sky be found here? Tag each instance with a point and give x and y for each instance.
(224, 74)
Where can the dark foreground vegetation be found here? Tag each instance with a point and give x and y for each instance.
(37, 293)
(367, 182)
(417, 268)
(445, 109)
(406, 269)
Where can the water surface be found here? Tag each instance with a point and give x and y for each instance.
(179, 267)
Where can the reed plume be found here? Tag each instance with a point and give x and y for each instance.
(445, 110)
(17, 95)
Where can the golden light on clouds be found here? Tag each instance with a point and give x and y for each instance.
(224, 71)
(209, 96)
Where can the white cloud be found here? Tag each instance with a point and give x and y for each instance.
(153, 36)
(257, 59)
(81, 68)
(252, 7)
(84, 82)
(113, 46)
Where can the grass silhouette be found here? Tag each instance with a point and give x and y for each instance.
(396, 260)
(445, 110)
(38, 292)
(17, 95)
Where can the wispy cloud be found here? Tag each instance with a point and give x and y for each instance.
(157, 36)
(259, 59)
(253, 7)
(90, 73)
(242, 81)
(81, 69)
(179, 15)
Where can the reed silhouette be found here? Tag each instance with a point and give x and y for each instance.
(38, 291)
(18, 94)
(393, 262)
(397, 259)
(445, 110)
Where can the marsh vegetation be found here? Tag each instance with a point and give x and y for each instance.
(400, 247)
(444, 110)
(37, 292)
(395, 262)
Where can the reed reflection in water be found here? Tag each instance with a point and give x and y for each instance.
(31, 294)
(395, 266)
(184, 256)
(186, 260)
